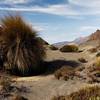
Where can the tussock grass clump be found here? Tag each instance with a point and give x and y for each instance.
(9, 89)
(52, 47)
(23, 50)
(69, 48)
(65, 72)
(93, 50)
(97, 62)
(83, 60)
(5, 83)
(87, 93)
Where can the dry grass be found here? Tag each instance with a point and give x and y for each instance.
(5, 83)
(92, 50)
(65, 72)
(9, 88)
(25, 54)
(83, 60)
(97, 62)
(87, 93)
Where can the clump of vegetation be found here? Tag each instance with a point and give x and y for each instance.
(97, 62)
(23, 50)
(98, 54)
(58, 98)
(69, 48)
(93, 71)
(83, 60)
(65, 72)
(18, 97)
(52, 47)
(8, 88)
(5, 83)
(87, 93)
(93, 50)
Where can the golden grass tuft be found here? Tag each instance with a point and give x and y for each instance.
(65, 72)
(93, 50)
(23, 50)
(87, 93)
(97, 62)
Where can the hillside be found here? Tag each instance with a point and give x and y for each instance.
(95, 35)
(89, 40)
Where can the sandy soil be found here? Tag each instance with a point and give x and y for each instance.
(45, 87)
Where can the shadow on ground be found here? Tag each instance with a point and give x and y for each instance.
(52, 66)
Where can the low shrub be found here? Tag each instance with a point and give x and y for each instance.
(52, 47)
(82, 60)
(9, 88)
(92, 50)
(97, 62)
(87, 93)
(5, 83)
(69, 48)
(65, 72)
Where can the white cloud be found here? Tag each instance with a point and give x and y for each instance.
(86, 28)
(52, 9)
(85, 7)
(13, 1)
(86, 3)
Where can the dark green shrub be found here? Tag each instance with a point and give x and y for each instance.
(69, 48)
(23, 50)
(52, 47)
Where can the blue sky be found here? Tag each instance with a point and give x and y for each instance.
(57, 20)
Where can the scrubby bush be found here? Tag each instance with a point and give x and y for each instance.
(82, 60)
(9, 89)
(92, 50)
(52, 47)
(23, 51)
(87, 93)
(5, 83)
(69, 48)
(65, 72)
(97, 62)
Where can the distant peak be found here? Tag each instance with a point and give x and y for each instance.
(95, 35)
(97, 30)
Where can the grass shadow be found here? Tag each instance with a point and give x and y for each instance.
(52, 66)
